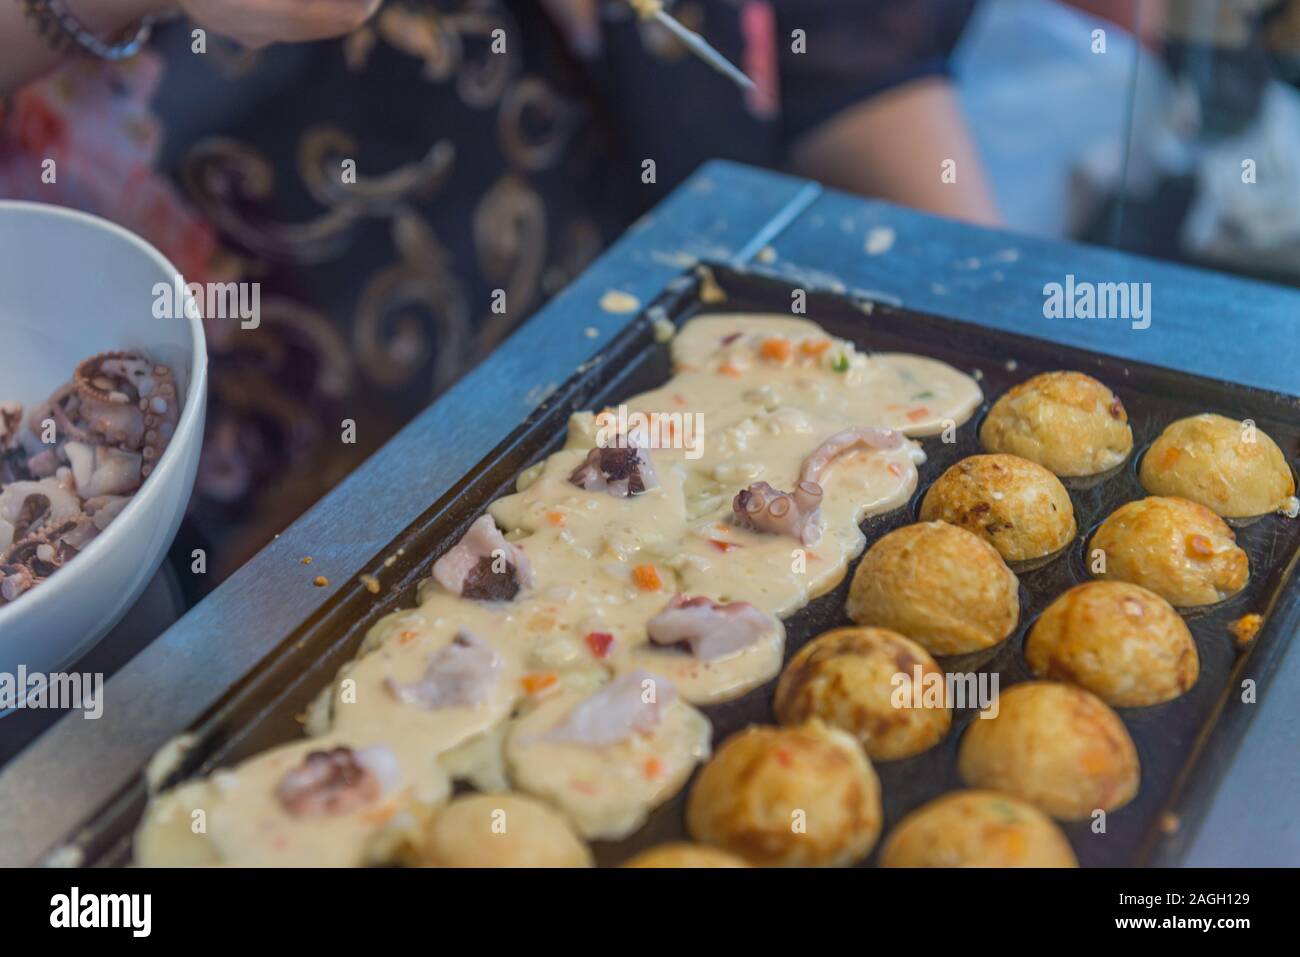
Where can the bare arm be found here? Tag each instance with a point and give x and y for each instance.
(254, 23)
(894, 146)
(25, 56)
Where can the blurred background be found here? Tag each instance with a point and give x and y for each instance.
(501, 145)
(1141, 149)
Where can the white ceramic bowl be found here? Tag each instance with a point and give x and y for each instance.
(72, 285)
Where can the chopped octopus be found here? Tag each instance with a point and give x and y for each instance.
(338, 781)
(483, 565)
(33, 559)
(766, 509)
(708, 629)
(846, 440)
(27, 507)
(60, 487)
(460, 675)
(629, 704)
(621, 471)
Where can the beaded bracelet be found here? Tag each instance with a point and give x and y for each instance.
(57, 26)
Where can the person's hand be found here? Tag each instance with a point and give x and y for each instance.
(257, 23)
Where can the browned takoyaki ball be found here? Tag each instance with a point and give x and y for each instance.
(1017, 506)
(859, 679)
(977, 829)
(684, 854)
(792, 797)
(1228, 466)
(1054, 745)
(1178, 549)
(1067, 422)
(944, 587)
(1123, 643)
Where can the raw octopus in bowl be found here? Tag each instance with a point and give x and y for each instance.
(83, 453)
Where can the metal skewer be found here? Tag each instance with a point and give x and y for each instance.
(694, 42)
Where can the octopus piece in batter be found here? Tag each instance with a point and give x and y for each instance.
(707, 629)
(763, 508)
(615, 712)
(460, 675)
(845, 441)
(338, 781)
(330, 803)
(621, 471)
(483, 565)
(798, 513)
(314, 803)
(711, 651)
(606, 759)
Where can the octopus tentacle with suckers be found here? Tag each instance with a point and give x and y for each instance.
(86, 450)
(766, 509)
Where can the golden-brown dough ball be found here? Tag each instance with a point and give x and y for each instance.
(860, 680)
(1228, 466)
(977, 829)
(502, 830)
(1067, 422)
(792, 797)
(1178, 549)
(1054, 745)
(1123, 643)
(942, 586)
(1015, 505)
(684, 854)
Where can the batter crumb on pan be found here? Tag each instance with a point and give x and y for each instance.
(1246, 628)
(710, 292)
(880, 239)
(320, 581)
(1170, 822)
(617, 301)
(371, 583)
(306, 559)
